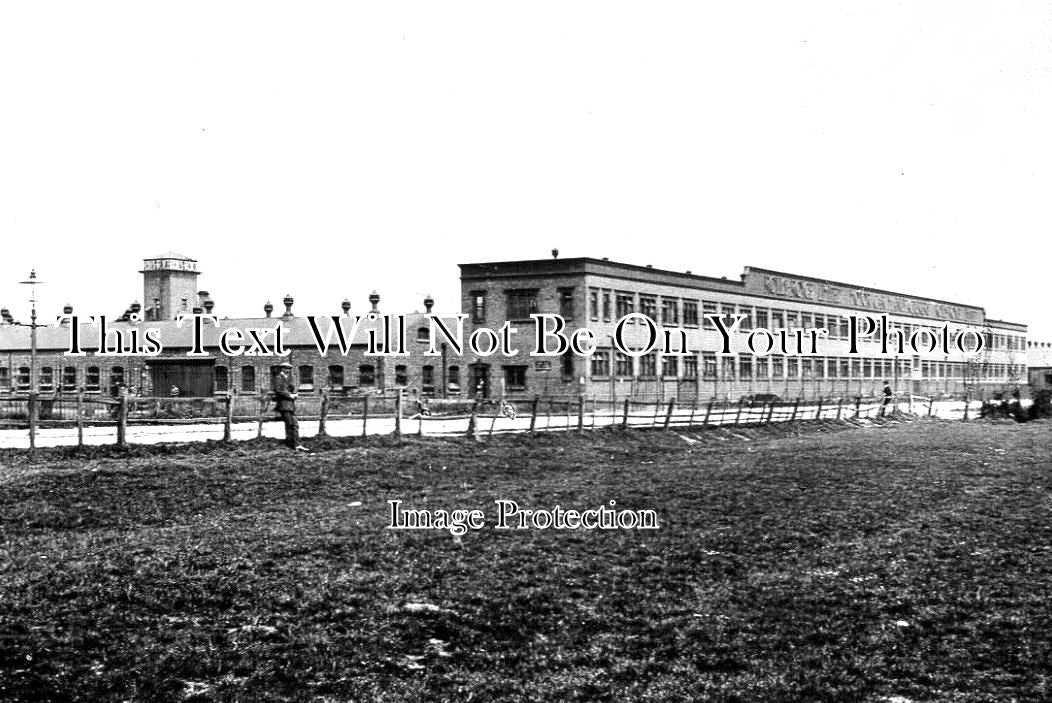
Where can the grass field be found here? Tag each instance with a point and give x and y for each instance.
(888, 564)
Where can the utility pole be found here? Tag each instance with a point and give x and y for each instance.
(33, 409)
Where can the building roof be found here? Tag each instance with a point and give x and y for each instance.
(170, 255)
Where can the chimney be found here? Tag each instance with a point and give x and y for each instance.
(288, 301)
(374, 299)
(268, 308)
(209, 304)
(135, 308)
(429, 303)
(346, 307)
(555, 253)
(67, 309)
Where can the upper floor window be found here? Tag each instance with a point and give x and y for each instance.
(625, 304)
(669, 311)
(478, 306)
(521, 304)
(593, 304)
(690, 312)
(648, 306)
(601, 363)
(566, 303)
(623, 364)
(606, 306)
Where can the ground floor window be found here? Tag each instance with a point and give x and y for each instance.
(515, 378)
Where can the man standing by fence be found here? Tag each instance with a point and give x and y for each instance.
(285, 400)
(888, 395)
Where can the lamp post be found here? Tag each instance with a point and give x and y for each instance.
(32, 283)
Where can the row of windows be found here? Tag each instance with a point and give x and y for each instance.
(748, 367)
(336, 378)
(49, 380)
(678, 311)
(520, 303)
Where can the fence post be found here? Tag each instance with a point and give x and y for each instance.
(858, 406)
(966, 403)
(770, 413)
(796, 406)
(80, 418)
(693, 407)
(323, 413)
(657, 410)
(839, 402)
(931, 401)
(818, 413)
(708, 411)
(624, 420)
(473, 420)
(32, 408)
(580, 412)
(122, 420)
(365, 416)
(668, 415)
(261, 404)
(738, 417)
(398, 414)
(533, 413)
(229, 420)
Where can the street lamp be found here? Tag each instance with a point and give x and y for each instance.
(32, 283)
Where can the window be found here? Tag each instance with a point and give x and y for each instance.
(833, 325)
(69, 378)
(47, 378)
(601, 363)
(427, 380)
(708, 308)
(867, 368)
(22, 379)
(690, 367)
(423, 334)
(91, 378)
(845, 368)
(623, 363)
(593, 304)
(306, 377)
(762, 367)
(792, 367)
(792, 319)
(807, 368)
(222, 379)
(669, 311)
(5, 378)
(745, 367)
(401, 375)
(648, 306)
(478, 306)
(454, 379)
(747, 322)
(625, 304)
(728, 311)
(778, 367)
(515, 378)
(566, 364)
(777, 319)
(820, 320)
(761, 317)
(856, 368)
(366, 375)
(690, 313)
(708, 365)
(248, 379)
(648, 365)
(606, 306)
(565, 303)
(116, 379)
(336, 376)
(833, 368)
(670, 366)
(728, 368)
(521, 304)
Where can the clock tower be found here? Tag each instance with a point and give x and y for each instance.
(169, 284)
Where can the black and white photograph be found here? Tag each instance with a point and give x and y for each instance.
(466, 351)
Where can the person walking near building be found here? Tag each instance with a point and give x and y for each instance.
(888, 395)
(285, 400)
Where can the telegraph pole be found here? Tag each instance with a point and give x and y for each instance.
(33, 409)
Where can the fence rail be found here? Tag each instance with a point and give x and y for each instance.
(83, 419)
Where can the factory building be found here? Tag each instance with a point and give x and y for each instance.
(597, 294)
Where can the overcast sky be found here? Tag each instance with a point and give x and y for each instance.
(327, 150)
